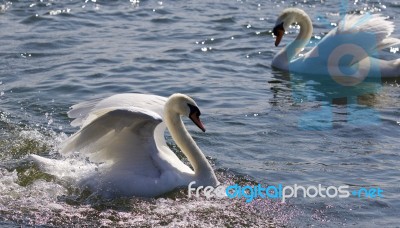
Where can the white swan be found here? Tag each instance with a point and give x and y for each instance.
(359, 36)
(124, 134)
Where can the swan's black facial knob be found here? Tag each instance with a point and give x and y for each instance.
(194, 115)
(278, 31)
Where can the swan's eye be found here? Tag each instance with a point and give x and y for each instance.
(194, 110)
(195, 116)
(278, 28)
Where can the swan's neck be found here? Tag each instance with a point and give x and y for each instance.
(302, 39)
(202, 169)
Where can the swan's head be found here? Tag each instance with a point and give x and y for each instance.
(288, 17)
(185, 106)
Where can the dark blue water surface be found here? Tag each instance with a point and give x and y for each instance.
(263, 125)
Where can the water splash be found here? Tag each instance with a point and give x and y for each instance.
(31, 197)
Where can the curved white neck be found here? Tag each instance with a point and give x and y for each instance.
(202, 169)
(283, 58)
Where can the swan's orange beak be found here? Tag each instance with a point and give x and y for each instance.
(196, 120)
(278, 31)
(279, 36)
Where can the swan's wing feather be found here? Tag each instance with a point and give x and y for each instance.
(130, 131)
(374, 24)
(369, 31)
(80, 111)
(85, 112)
(388, 42)
(369, 23)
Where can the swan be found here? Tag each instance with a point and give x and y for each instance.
(358, 36)
(124, 136)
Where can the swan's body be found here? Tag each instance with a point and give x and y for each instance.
(124, 134)
(369, 32)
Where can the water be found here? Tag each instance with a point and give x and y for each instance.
(54, 54)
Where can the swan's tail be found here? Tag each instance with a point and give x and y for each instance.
(70, 169)
(44, 164)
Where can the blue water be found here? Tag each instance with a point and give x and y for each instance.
(263, 125)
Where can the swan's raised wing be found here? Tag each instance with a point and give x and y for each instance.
(370, 32)
(79, 112)
(83, 113)
(90, 112)
(121, 136)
